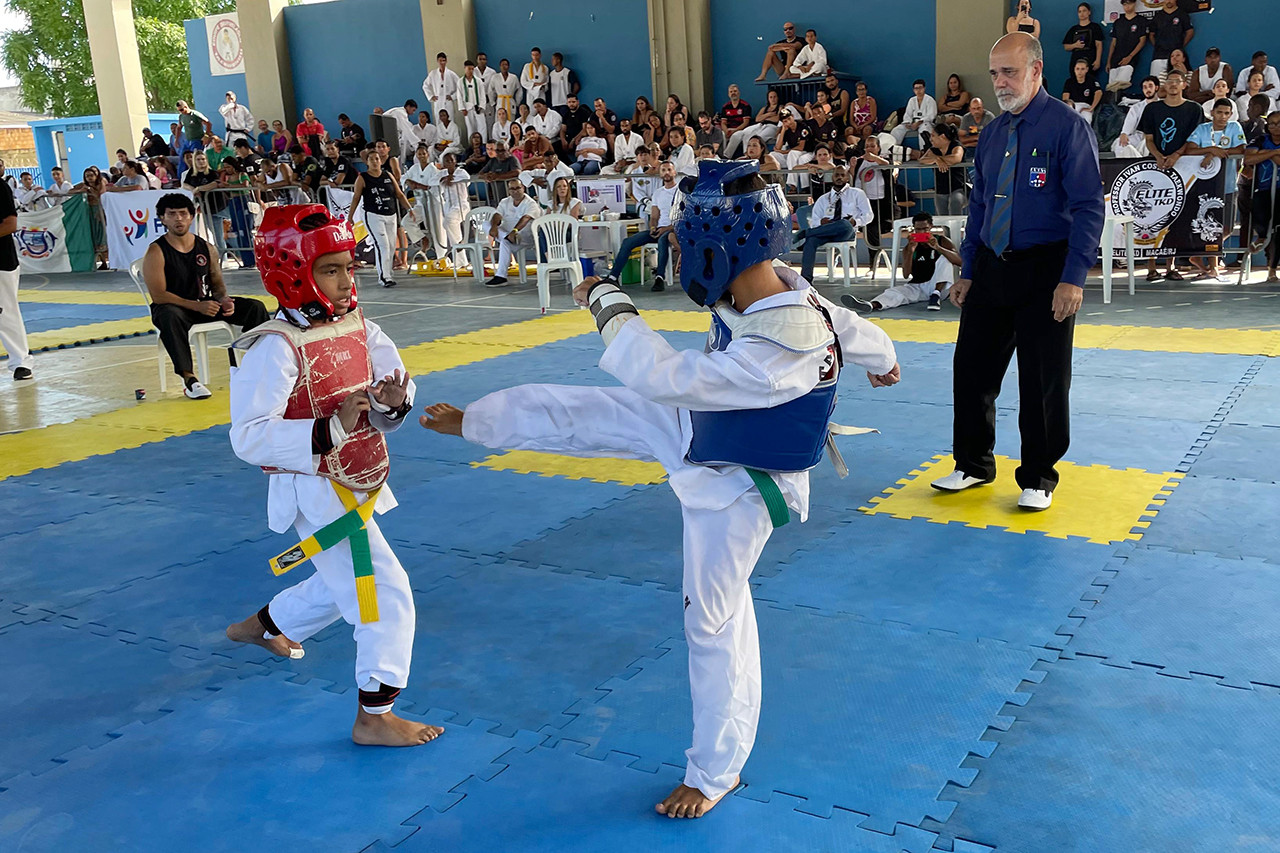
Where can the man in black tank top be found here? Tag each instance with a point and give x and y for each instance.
(186, 288)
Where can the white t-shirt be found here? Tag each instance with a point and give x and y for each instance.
(559, 87)
(512, 213)
(664, 198)
(587, 143)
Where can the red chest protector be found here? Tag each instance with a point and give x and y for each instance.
(333, 363)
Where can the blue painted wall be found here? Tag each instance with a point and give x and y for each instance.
(1236, 27)
(353, 55)
(606, 42)
(209, 91)
(85, 144)
(888, 50)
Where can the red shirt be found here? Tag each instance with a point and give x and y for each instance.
(736, 117)
(305, 129)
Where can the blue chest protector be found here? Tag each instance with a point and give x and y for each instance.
(785, 438)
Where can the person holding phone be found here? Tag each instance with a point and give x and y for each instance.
(928, 265)
(1022, 22)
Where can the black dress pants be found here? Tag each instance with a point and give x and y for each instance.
(1008, 309)
(174, 322)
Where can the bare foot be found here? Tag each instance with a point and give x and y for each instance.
(760, 79)
(389, 730)
(689, 802)
(442, 418)
(252, 631)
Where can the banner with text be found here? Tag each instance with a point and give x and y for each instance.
(132, 224)
(1176, 212)
(226, 53)
(42, 241)
(1114, 9)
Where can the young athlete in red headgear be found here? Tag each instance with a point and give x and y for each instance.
(307, 406)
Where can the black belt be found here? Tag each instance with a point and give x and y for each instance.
(1011, 256)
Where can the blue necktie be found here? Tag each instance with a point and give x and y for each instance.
(1002, 207)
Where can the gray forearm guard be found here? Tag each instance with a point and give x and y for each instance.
(611, 309)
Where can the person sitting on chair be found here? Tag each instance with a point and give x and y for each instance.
(186, 289)
(835, 218)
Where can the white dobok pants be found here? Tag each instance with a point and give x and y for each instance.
(383, 648)
(13, 332)
(907, 293)
(720, 551)
(383, 231)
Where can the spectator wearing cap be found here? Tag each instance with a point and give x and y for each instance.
(1270, 79)
(1202, 82)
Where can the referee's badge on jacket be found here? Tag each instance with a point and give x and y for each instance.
(1039, 177)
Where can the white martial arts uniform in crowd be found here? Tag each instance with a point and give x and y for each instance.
(504, 93)
(1130, 142)
(726, 523)
(534, 81)
(239, 122)
(441, 89)
(451, 191)
(923, 110)
(473, 103)
(261, 435)
(548, 176)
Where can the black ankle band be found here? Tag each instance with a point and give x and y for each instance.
(264, 616)
(380, 698)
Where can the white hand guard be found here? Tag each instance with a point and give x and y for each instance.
(611, 308)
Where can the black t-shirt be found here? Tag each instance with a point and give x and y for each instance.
(924, 260)
(353, 135)
(332, 168)
(1171, 126)
(1126, 34)
(828, 132)
(156, 147)
(1090, 34)
(791, 139)
(950, 180)
(212, 201)
(609, 116)
(250, 164)
(1081, 93)
(309, 172)
(574, 119)
(497, 165)
(1168, 32)
(8, 250)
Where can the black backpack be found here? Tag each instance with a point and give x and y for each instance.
(1107, 125)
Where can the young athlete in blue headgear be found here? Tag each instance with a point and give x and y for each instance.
(737, 427)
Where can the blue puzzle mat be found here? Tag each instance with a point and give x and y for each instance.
(70, 688)
(1168, 367)
(25, 504)
(1230, 518)
(536, 804)
(47, 316)
(200, 771)
(893, 715)
(1137, 398)
(1259, 405)
(512, 644)
(1119, 442)
(1188, 613)
(1241, 453)
(1112, 759)
(945, 577)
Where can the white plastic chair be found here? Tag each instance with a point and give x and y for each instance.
(847, 255)
(645, 250)
(1108, 252)
(559, 234)
(475, 241)
(223, 335)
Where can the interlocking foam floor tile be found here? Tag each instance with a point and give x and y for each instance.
(1259, 405)
(1118, 442)
(1241, 453)
(1113, 759)
(482, 511)
(626, 472)
(41, 317)
(972, 583)
(60, 564)
(262, 764)
(536, 804)
(1230, 518)
(1098, 503)
(1187, 613)
(859, 716)
(1166, 366)
(25, 505)
(68, 688)
(517, 645)
(1142, 398)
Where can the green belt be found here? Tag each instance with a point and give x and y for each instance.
(779, 514)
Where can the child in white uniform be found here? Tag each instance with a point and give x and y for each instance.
(736, 427)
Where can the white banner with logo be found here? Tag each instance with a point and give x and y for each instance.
(338, 201)
(226, 53)
(1113, 8)
(132, 224)
(42, 241)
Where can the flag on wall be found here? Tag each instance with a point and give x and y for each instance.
(226, 53)
(132, 224)
(56, 239)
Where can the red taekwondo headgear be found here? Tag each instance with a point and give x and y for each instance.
(285, 251)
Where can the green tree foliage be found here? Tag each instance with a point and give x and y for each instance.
(51, 61)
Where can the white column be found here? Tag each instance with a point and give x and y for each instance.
(117, 72)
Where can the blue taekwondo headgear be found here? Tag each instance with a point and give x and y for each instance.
(721, 235)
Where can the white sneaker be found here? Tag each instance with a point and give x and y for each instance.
(197, 391)
(1035, 500)
(958, 481)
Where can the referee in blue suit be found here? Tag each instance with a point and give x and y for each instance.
(1035, 216)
